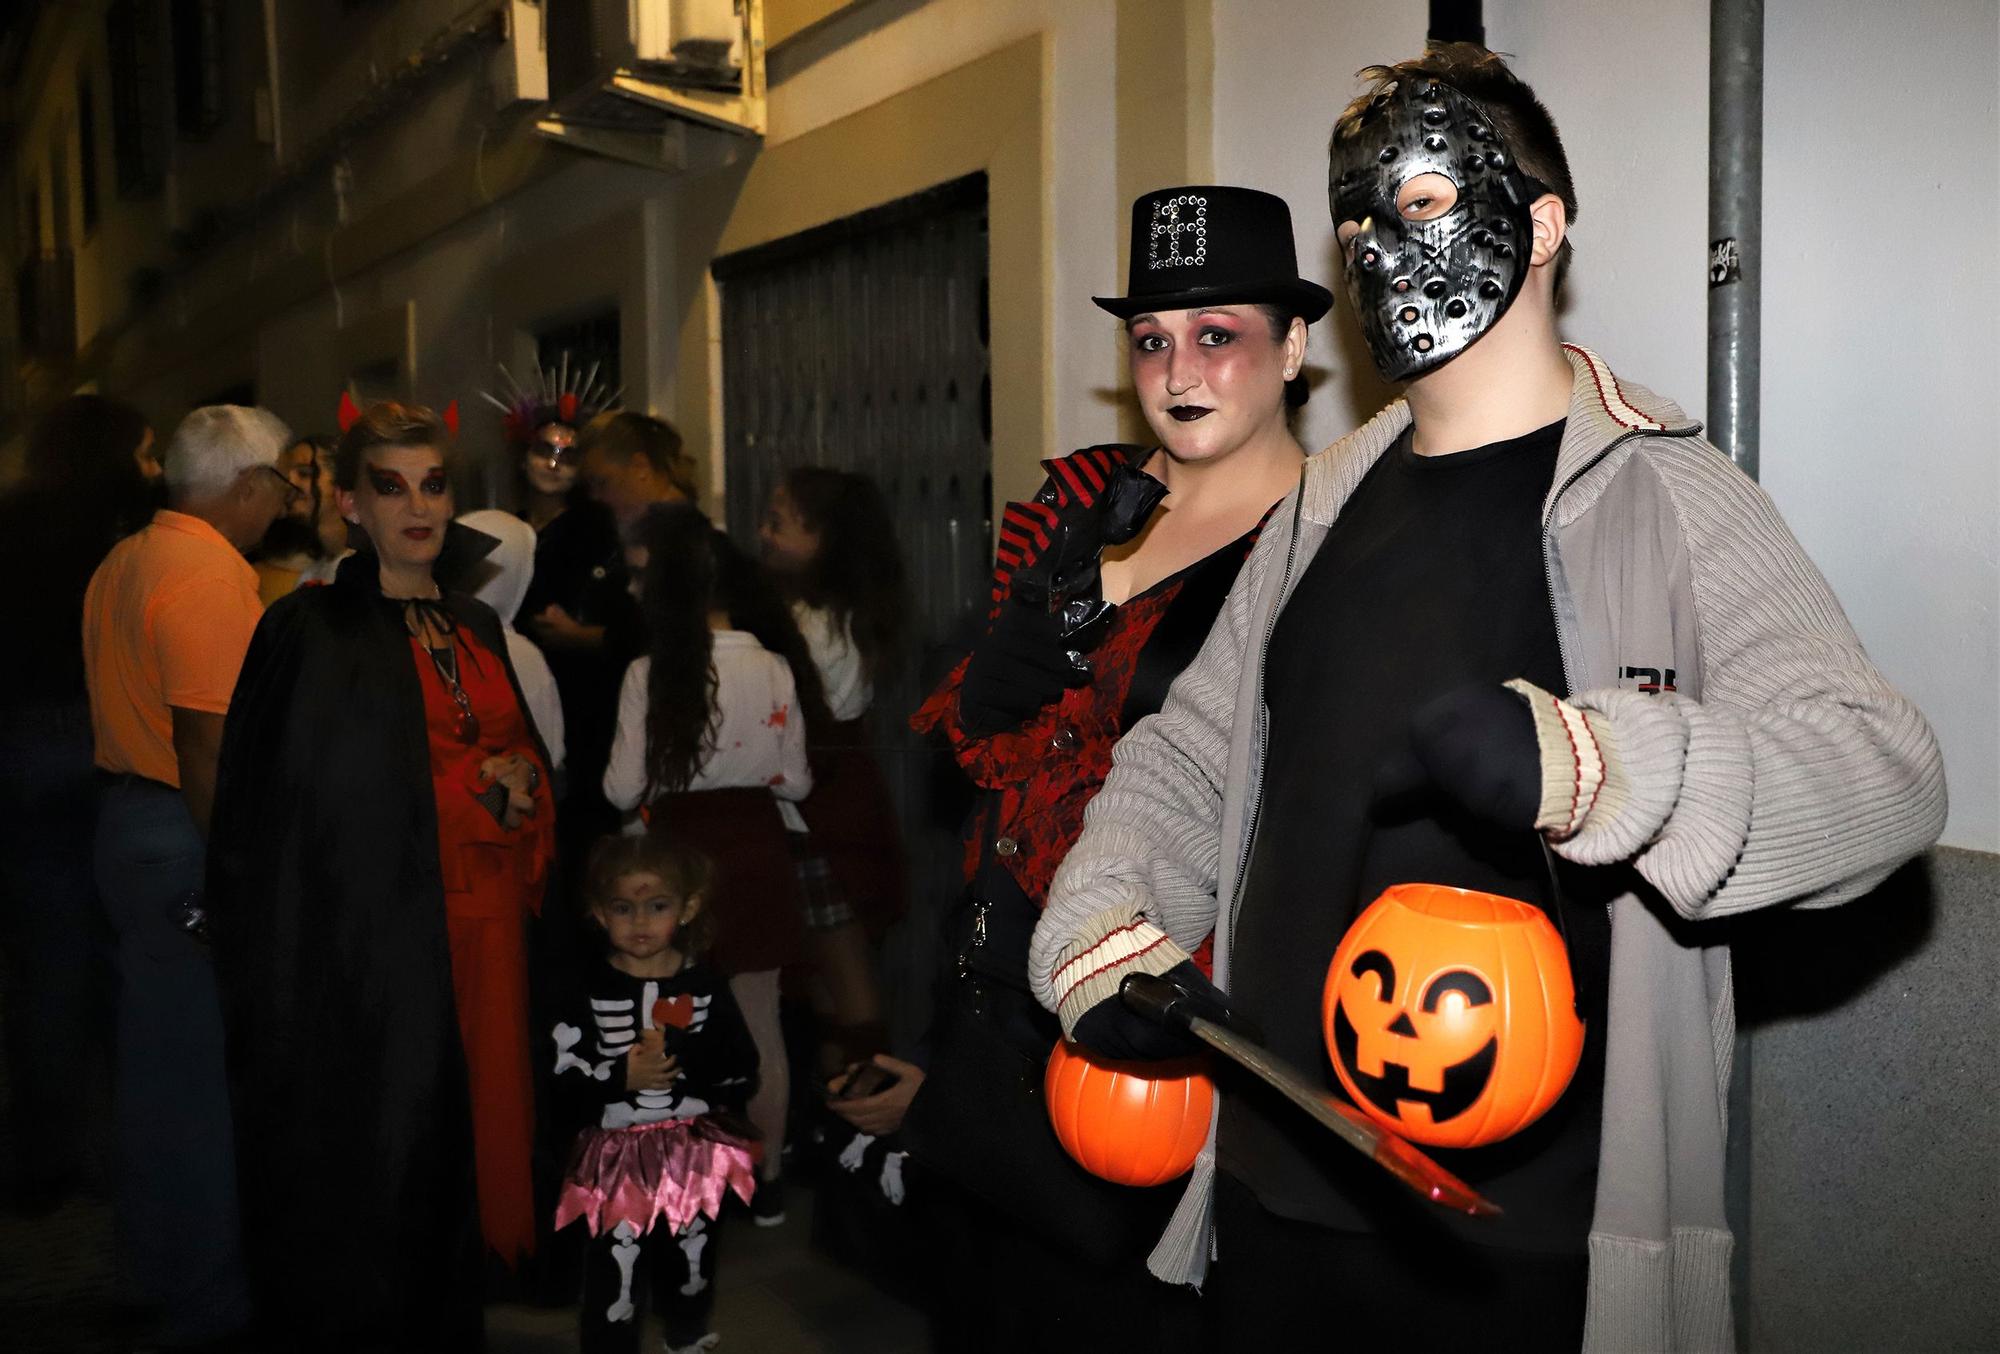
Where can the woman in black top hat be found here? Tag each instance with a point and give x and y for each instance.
(1106, 584)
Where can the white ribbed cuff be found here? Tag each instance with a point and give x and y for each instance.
(1581, 773)
(1117, 942)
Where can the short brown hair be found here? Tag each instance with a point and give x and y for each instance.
(385, 423)
(1518, 115)
(627, 433)
(686, 872)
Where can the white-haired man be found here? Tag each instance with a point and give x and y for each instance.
(166, 623)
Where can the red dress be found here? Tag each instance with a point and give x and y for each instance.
(492, 879)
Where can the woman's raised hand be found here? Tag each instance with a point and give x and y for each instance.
(555, 626)
(520, 777)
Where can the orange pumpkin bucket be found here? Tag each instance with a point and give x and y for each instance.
(1129, 1123)
(1450, 1015)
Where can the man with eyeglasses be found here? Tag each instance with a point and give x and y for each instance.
(167, 620)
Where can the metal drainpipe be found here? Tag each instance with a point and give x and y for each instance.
(1735, 210)
(1456, 21)
(1735, 271)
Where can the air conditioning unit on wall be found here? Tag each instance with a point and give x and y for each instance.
(698, 33)
(522, 72)
(652, 81)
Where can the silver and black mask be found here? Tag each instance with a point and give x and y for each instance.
(1424, 291)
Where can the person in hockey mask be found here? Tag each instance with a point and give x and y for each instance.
(1523, 609)
(1439, 221)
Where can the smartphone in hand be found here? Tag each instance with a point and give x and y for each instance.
(864, 1080)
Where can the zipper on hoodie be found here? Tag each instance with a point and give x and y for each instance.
(1549, 555)
(1263, 729)
(1548, 528)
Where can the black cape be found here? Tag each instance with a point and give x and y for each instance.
(353, 1119)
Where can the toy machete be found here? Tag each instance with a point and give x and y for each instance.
(1160, 1000)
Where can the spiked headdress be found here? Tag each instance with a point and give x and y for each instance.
(559, 394)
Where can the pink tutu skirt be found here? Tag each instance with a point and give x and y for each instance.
(674, 1170)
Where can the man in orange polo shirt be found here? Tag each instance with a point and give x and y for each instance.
(166, 623)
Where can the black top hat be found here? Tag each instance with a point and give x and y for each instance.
(1214, 245)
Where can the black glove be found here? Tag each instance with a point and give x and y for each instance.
(1477, 745)
(1021, 665)
(1113, 1029)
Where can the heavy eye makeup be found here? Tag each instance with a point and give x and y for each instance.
(390, 483)
(1207, 336)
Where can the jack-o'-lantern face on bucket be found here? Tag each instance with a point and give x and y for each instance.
(1449, 1014)
(1431, 1073)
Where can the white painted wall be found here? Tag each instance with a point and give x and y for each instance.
(453, 279)
(1882, 348)
(1882, 145)
(1283, 70)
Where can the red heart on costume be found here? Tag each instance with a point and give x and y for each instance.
(675, 1011)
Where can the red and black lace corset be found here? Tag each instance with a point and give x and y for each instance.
(1040, 776)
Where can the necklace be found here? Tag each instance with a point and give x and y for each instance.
(465, 726)
(428, 616)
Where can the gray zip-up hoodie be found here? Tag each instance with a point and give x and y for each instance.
(1773, 765)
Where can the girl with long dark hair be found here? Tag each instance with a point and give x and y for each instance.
(828, 537)
(711, 735)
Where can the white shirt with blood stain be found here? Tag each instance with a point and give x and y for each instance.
(848, 691)
(759, 737)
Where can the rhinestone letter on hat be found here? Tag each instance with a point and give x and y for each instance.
(1180, 232)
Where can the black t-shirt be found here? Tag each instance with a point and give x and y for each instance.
(1431, 578)
(580, 567)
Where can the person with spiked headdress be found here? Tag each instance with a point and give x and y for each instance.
(576, 608)
(541, 422)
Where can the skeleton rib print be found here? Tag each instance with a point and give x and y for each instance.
(618, 1023)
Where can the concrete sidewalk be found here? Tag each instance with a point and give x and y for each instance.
(776, 1294)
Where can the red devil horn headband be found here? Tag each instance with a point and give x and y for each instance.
(350, 411)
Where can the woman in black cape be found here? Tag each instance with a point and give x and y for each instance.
(328, 911)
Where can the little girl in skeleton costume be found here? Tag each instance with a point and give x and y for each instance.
(652, 1049)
